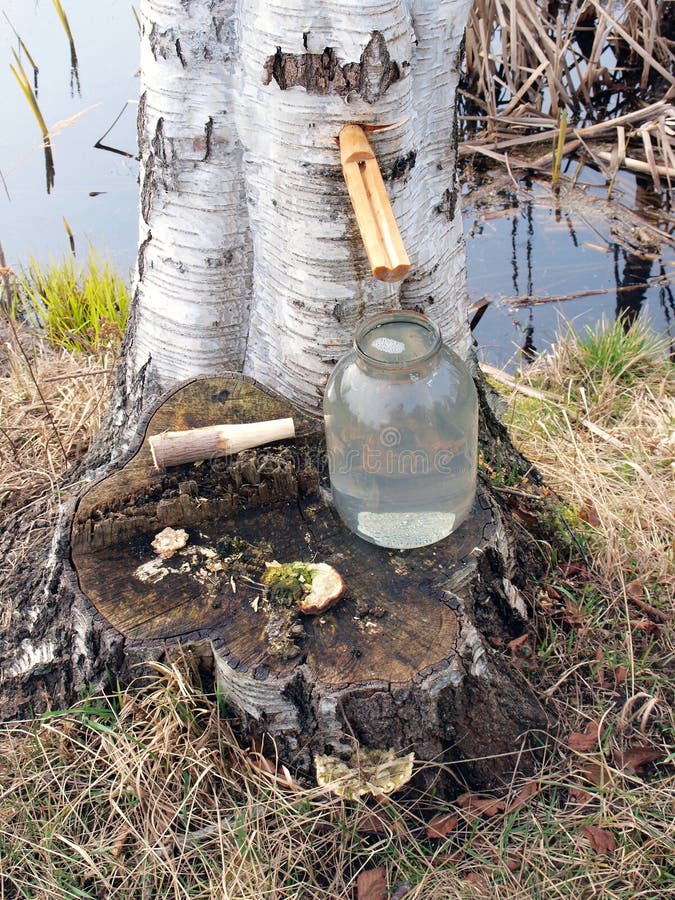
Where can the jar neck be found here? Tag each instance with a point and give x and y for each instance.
(398, 344)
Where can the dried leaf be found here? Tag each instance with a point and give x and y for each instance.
(372, 884)
(523, 795)
(517, 642)
(529, 519)
(442, 825)
(580, 795)
(479, 881)
(588, 513)
(513, 861)
(372, 823)
(620, 674)
(570, 569)
(646, 625)
(635, 590)
(552, 592)
(522, 653)
(593, 773)
(633, 760)
(602, 841)
(586, 741)
(574, 616)
(484, 806)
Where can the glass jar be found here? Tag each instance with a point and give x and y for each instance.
(401, 416)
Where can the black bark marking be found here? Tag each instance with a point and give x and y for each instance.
(158, 145)
(208, 134)
(157, 174)
(179, 53)
(140, 262)
(402, 166)
(378, 71)
(321, 73)
(448, 203)
(140, 122)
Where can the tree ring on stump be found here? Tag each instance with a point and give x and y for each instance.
(380, 668)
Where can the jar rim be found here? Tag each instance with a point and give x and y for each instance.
(397, 315)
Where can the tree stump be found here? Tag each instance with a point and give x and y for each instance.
(402, 661)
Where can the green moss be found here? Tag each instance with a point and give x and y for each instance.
(288, 582)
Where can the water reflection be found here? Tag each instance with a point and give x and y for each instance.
(569, 254)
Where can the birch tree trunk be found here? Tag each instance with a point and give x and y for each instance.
(249, 257)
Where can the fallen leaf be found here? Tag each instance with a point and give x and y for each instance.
(586, 741)
(580, 795)
(552, 592)
(593, 773)
(442, 825)
(513, 861)
(528, 518)
(569, 569)
(573, 615)
(372, 823)
(523, 795)
(480, 881)
(633, 760)
(646, 625)
(372, 884)
(522, 653)
(588, 513)
(602, 841)
(620, 674)
(484, 806)
(635, 590)
(517, 642)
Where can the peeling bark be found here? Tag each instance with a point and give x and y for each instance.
(321, 73)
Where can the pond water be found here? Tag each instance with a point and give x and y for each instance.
(95, 190)
(523, 240)
(544, 259)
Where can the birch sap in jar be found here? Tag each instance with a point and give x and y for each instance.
(401, 416)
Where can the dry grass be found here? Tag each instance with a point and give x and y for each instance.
(51, 404)
(149, 792)
(604, 438)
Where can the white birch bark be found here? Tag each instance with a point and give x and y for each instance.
(193, 282)
(271, 193)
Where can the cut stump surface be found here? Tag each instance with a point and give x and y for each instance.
(397, 662)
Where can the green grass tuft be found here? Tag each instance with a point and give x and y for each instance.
(78, 308)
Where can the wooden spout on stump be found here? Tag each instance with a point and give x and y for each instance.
(399, 662)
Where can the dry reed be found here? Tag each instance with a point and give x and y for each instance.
(604, 65)
(37, 379)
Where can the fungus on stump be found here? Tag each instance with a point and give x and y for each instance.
(397, 663)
